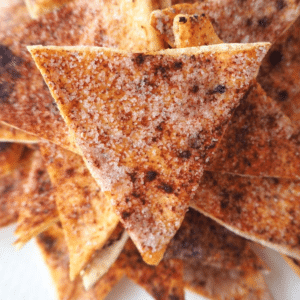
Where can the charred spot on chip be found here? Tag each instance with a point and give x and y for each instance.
(6, 56)
(7, 189)
(70, 172)
(126, 214)
(151, 175)
(280, 4)
(132, 177)
(282, 96)
(47, 240)
(6, 90)
(182, 19)
(4, 146)
(275, 57)
(249, 22)
(185, 154)
(237, 196)
(166, 187)
(127, 200)
(221, 89)
(177, 65)
(160, 127)
(196, 17)
(139, 59)
(263, 22)
(194, 89)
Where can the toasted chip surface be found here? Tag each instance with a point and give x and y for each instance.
(260, 209)
(37, 208)
(86, 214)
(55, 252)
(251, 21)
(134, 133)
(37, 8)
(11, 134)
(260, 140)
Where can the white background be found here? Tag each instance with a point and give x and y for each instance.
(23, 275)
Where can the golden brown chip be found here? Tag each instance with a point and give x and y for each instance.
(251, 21)
(205, 241)
(293, 263)
(10, 154)
(86, 214)
(220, 284)
(280, 73)
(260, 209)
(37, 208)
(260, 140)
(12, 190)
(164, 281)
(103, 258)
(193, 31)
(38, 8)
(146, 123)
(11, 134)
(55, 252)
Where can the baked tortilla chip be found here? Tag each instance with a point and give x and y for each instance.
(146, 123)
(11, 134)
(164, 281)
(293, 263)
(55, 252)
(103, 258)
(38, 8)
(124, 25)
(205, 241)
(280, 73)
(12, 190)
(194, 31)
(260, 140)
(260, 209)
(37, 208)
(86, 214)
(219, 284)
(10, 154)
(249, 22)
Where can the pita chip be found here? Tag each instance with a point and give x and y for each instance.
(260, 140)
(164, 281)
(55, 252)
(12, 190)
(37, 209)
(38, 8)
(260, 209)
(218, 284)
(280, 73)
(148, 152)
(251, 21)
(10, 154)
(210, 244)
(194, 31)
(11, 134)
(86, 215)
(293, 263)
(103, 258)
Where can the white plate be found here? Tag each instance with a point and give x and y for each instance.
(23, 276)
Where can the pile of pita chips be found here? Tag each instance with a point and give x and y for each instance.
(86, 214)
(37, 208)
(132, 147)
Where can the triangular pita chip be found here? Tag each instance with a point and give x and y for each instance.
(251, 21)
(146, 123)
(103, 258)
(11, 134)
(260, 209)
(86, 214)
(164, 281)
(260, 140)
(207, 242)
(280, 73)
(37, 208)
(194, 31)
(219, 284)
(293, 263)
(10, 154)
(124, 25)
(12, 190)
(38, 8)
(55, 253)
